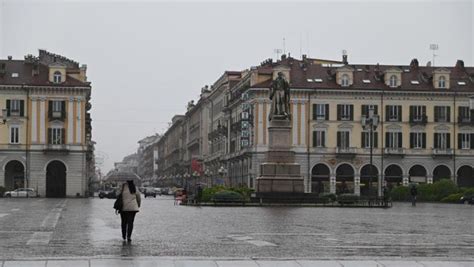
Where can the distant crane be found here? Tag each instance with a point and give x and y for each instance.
(434, 47)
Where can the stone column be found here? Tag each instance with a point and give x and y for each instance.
(429, 179)
(34, 120)
(380, 185)
(405, 180)
(332, 184)
(79, 122)
(357, 184)
(70, 121)
(42, 125)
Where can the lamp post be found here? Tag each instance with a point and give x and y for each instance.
(371, 122)
(186, 177)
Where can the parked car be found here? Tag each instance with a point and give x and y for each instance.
(467, 199)
(21, 192)
(107, 194)
(149, 192)
(158, 191)
(165, 190)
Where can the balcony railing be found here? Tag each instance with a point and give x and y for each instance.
(423, 119)
(442, 152)
(394, 151)
(465, 120)
(56, 148)
(346, 151)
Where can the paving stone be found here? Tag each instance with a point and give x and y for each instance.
(401, 264)
(360, 264)
(24, 264)
(237, 263)
(67, 263)
(447, 264)
(322, 263)
(278, 264)
(196, 263)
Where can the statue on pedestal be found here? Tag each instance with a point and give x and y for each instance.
(280, 96)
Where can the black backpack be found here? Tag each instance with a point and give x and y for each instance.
(118, 204)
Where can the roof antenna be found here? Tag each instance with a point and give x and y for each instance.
(284, 47)
(277, 51)
(434, 47)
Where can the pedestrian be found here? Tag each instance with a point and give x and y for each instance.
(131, 204)
(413, 192)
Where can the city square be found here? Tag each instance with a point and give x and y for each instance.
(154, 133)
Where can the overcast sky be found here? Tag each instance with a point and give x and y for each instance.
(146, 60)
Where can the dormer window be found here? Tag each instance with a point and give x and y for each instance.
(393, 81)
(442, 82)
(57, 77)
(345, 80)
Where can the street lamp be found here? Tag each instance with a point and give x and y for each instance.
(371, 122)
(186, 177)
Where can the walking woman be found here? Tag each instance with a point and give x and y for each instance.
(131, 203)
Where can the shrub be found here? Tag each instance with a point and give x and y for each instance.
(207, 193)
(400, 193)
(2, 191)
(347, 198)
(227, 195)
(453, 198)
(467, 190)
(437, 191)
(330, 196)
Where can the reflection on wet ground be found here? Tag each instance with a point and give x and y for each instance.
(89, 227)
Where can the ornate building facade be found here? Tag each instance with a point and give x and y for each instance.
(421, 119)
(46, 134)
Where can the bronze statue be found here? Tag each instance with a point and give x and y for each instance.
(280, 96)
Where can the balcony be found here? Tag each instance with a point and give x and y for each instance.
(50, 148)
(394, 151)
(349, 152)
(57, 115)
(465, 121)
(442, 152)
(418, 120)
(15, 113)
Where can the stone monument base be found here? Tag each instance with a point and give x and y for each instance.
(280, 173)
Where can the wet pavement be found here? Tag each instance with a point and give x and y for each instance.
(88, 228)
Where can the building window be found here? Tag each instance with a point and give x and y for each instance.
(320, 111)
(345, 112)
(464, 141)
(365, 140)
(15, 106)
(365, 110)
(442, 82)
(393, 81)
(57, 77)
(56, 106)
(417, 140)
(319, 138)
(393, 113)
(442, 140)
(442, 114)
(464, 114)
(345, 80)
(56, 136)
(418, 114)
(343, 139)
(393, 140)
(14, 135)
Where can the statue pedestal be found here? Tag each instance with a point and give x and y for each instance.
(280, 173)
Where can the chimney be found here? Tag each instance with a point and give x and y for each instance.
(304, 56)
(82, 72)
(9, 57)
(460, 64)
(283, 56)
(414, 63)
(344, 57)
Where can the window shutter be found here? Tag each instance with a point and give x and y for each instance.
(471, 140)
(364, 111)
(314, 111)
(63, 136)
(338, 139)
(459, 141)
(351, 110)
(471, 112)
(339, 112)
(448, 140)
(314, 138)
(326, 110)
(22, 108)
(460, 114)
(412, 112)
(436, 113)
(323, 137)
(50, 135)
(362, 140)
(376, 139)
(412, 141)
(399, 113)
(423, 139)
(423, 113)
(387, 142)
(50, 109)
(448, 112)
(436, 136)
(376, 109)
(63, 110)
(400, 140)
(387, 113)
(8, 107)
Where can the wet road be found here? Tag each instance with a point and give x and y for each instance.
(89, 227)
